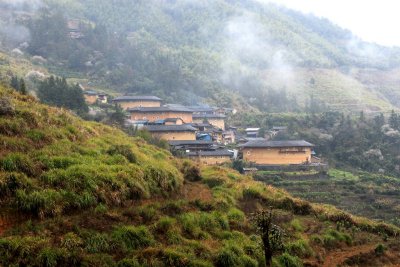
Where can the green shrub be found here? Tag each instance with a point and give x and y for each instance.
(148, 213)
(40, 203)
(132, 262)
(297, 225)
(380, 250)
(171, 258)
(247, 261)
(200, 263)
(165, 224)
(96, 243)
(191, 172)
(101, 208)
(49, 257)
(226, 258)
(236, 216)
(123, 150)
(213, 182)
(16, 162)
(71, 241)
(299, 248)
(251, 193)
(189, 222)
(287, 260)
(36, 135)
(10, 182)
(173, 237)
(130, 237)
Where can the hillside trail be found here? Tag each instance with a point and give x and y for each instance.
(335, 258)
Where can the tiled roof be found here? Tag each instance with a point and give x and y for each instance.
(208, 116)
(159, 109)
(190, 142)
(133, 98)
(289, 143)
(218, 152)
(170, 128)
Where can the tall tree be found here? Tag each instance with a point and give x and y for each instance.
(22, 87)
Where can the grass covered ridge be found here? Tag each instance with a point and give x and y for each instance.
(93, 196)
(51, 162)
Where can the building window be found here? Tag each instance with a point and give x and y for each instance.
(248, 153)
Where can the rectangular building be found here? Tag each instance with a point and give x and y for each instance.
(126, 102)
(213, 157)
(153, 114)
(172, 132)
(263, 152)
(216, 120)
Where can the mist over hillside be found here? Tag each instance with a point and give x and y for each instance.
(200, 52)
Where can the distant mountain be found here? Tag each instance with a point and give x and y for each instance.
(202, 51)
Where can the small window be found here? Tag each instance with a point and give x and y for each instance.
(248, 153)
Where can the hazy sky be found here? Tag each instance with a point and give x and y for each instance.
(372, 20)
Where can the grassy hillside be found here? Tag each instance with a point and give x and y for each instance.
(80, 193)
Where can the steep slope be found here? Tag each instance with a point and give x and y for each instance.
(80, 193)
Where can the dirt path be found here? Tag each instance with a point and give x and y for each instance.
(335, 258)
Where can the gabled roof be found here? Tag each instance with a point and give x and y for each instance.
(218, 152)
(136, 98)
(289, 143)
(252, 129)
(170, 128)
(159, 109)
(89, 92)
(208, 116)
(189, 142)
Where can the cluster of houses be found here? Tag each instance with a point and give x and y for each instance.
(200, 133)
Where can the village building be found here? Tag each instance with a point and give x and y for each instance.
(252, 132)
(172, 132)
(212, 157)
(202, 110)
(127, 102)
(263, 152)
(90, 97)
(153, 114)
(191, 145)
(93, 97)
(228, 137)
(102, 98)
(217, 120)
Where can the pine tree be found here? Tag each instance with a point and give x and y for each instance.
(14, 82)
(22, 87)
(394, 120)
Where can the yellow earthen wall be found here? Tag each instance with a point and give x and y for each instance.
(153, 116)
(169, 136)
(219, 123)
(135, 104)
(90, 99)
(212, 160)
(273, 156)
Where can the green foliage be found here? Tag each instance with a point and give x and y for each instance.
(299, 248)
(56, 91)
(123, 150)
(128, 263)
(380, 249)
(130, 237)
(287, 260)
